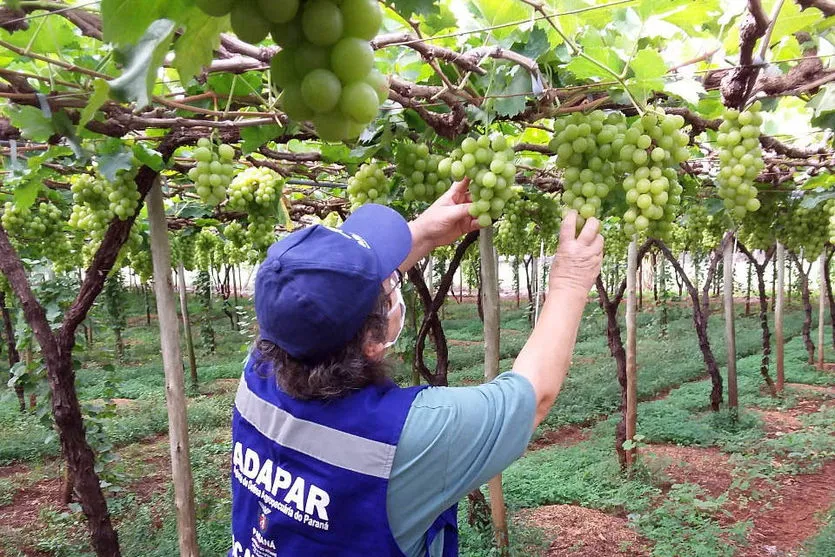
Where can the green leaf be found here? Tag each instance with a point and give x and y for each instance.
(536, 44)
(149, 157)
(32, 123)
(499, 12)
(512, 95)
(111, 163)
(823, 104)
(101, 90)
(408, 7)
(649, 69)
(595, 47)
(26, 193)
(254, 137)
(143, 61)
(195, 47)
(241, 85)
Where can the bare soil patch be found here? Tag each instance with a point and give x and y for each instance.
(460, 342)
(795, 516)
(707, 467)
(13, 469)
(563, 437)
(577, 531)
(27, 504)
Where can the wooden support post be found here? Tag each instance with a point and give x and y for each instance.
(821, 306)
(631, 350)
(490, 303)
(172, 361)
(192, 361)
(779, 304)
(730, 331)
(534, 278)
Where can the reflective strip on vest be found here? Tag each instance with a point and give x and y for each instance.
(317, 441)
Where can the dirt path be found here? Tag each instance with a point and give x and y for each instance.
(795, 516)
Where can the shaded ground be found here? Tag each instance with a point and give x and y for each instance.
(575, 531)
(707, 467)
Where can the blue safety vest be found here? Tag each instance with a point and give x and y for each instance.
(309, 478)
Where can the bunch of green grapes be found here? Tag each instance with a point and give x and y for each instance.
(829, 208)
(528, 220)
(91, 203)
(368, 185)
(235, 246)
(41, 227)
(325, 70)
(257, 192)
(419, 169)
(489, 163)
(649, 153)
(182, 250)
(206, 243)
(805, 230)
(740, 160)
(138, 252)
(757, 229)
(124, 195)
(213, 170)
(583, 144)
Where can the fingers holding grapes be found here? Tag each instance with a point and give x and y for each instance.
(579, 257)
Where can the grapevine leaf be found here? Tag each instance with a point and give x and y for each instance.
(536, 44)
(195, 47)
(101, 90)
(225, 84)
(284, 215)
(408, 7)
(143, 60)
(649, 69)
(499, 12)
(511, 99)
(111, 163)
(32, 123)
(26, 193)
(254, 137)
(824, 106)
(149, 157)
(595, 47)
(688, 89)
(812, 200)
(336, 152)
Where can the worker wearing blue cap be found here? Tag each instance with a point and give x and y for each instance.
(330, 457)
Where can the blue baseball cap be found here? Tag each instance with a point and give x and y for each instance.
(317, 286)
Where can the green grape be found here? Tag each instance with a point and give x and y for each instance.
(322, 22)
(283, 69)
(213, 171)
(368, 185)
(421, 172)
(321, 90)
(352, 59)
(380, 84)
(361, 18)
(497, 158)
(804, 231)
(293, 104)
(359, 102)
(248, 23)
(286, 35)
(332, 126)
(311, 57)
(279, 11)
(215, 8)
(257, 192)
(739, 165)
(205, 248)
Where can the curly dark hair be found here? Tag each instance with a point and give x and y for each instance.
(334, 376)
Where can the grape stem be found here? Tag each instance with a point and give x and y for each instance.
(539, 7)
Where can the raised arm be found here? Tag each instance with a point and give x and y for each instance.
(546, 356)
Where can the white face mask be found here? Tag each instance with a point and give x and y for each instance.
(402, 306)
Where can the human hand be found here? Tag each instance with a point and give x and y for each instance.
(578, 259)
(447, 219)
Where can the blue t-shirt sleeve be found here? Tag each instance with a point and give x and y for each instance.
(454, 440)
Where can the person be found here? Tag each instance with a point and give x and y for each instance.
(330, 457)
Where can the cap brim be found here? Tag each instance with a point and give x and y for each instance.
(385, 230)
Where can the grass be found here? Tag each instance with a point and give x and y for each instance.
(680, 520)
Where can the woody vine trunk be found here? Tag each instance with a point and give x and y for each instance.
(759, 269)
(700, 323)
(806, 297)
